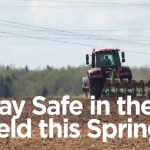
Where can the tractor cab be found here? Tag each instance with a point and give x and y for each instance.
(105, 58)
(108, 62)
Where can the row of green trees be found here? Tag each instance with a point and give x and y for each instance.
(47, 82)
(22, 82)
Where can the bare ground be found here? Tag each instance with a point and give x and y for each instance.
(81, 143)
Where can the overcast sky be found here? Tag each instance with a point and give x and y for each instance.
(61, 32)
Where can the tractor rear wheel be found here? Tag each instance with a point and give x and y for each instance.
(96, 86)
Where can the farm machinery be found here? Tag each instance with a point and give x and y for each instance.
(107, 76)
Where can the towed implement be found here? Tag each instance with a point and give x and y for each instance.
(107, 76)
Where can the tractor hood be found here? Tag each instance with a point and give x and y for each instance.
(95, 73)
(94, 70)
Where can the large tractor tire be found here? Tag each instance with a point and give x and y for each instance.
(85, 87)
(96, 86)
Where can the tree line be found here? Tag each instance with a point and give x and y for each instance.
(22, 82)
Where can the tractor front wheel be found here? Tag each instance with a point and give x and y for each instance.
(96, 86)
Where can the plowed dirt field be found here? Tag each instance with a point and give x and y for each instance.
(81, 143)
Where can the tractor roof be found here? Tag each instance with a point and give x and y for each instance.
(103, 50)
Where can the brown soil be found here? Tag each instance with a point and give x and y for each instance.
(81, 143)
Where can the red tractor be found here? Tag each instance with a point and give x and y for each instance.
(106, 75)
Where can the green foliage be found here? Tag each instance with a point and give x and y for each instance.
(50, 82)
(141, 73)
